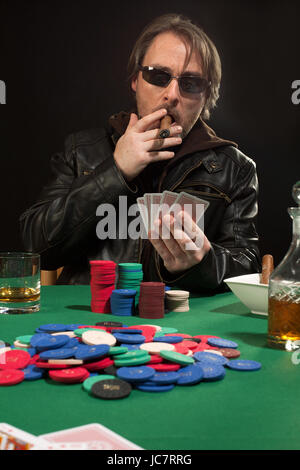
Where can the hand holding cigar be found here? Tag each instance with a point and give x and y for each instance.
(165, 123)
(267, 269)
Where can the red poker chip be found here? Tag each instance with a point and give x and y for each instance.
(203, 347)
(164, 367)
(11, 376)
(182, 335)
(74, 375)
(155, 359)
(14, 359)
(34, 359)
(93, 327)
(181, 348)
(47, 365)
(189, 344)
(98, 365)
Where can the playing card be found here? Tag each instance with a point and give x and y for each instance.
(12, 438)
(155, 203)
(147, 199)
(93, 436)
(192, 204)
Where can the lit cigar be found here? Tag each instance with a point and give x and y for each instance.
(165, 123)
(267, 268)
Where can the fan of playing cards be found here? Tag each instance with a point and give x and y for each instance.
(155, 205)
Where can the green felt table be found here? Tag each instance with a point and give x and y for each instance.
(245, 410)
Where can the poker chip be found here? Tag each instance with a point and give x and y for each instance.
(74, 375)
(110, 324)
(210, 358)
(14, 359)
(92, 352)
(190, 375)
(244, 365)
(90, 381)
(177, 301)
(168, 339)
(94, 337)
(135, 374)
(222, 343)
(111, 389)
(211, 372)
(129, 338)
(102, 283)
(25, 339)
(176, 357)
(98, 365)
(165, 378)
(116, 350)
(230, 353)
(164, 367)
(132, 361)
(45, 343)
(130, 278)
(11, 377)
(52, 328)
(154, 348)
(33, 373)
(151, 300)
(152, 387)
(122, 302)
(61, 353)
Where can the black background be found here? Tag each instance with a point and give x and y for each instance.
(64, 65)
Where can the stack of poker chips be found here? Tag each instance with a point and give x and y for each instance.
(130, 277)
(152, 300)
(122, 302)
(177, 300)
(103, 275)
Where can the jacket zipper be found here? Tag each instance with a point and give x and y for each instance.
(220, 194)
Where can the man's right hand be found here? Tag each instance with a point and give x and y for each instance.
(139, 146)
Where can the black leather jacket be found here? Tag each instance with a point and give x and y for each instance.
(61, 225)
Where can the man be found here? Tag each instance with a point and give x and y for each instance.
(174, 69)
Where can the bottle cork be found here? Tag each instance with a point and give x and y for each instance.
(267, 268)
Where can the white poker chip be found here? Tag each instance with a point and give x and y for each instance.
(213, 351)
(154, 348)
(18, 344)
(71, 334)
(71, 362)
(158, 328)
(94, 337)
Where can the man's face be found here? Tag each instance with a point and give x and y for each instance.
(169, 51)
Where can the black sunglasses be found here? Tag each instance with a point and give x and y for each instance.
(161, 78)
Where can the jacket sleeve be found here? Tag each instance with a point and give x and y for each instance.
(235, 251)
(63, 220)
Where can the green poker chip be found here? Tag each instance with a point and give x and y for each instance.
(90, 381)
(134, 361)
(133, 354)
(176, 357)
(25, 339)
(116, 350)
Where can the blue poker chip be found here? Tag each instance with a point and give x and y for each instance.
(190, 375)
(60, 353)
(73, 326)
(44, 343)
(165, 378)
(136, 373)
(126, 331)
(33, 373)
(52, 328)
(205, 356)
(211, 372)
(129, 338)
(72, 343)
(167, 339)
(91, 352)
(222, 343)
(243, 364)
(35, 339)
(152, 387)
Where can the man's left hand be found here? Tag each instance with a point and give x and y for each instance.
(180, 246)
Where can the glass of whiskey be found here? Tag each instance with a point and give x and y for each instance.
(19, 282)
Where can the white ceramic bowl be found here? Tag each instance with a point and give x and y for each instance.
(250, 292)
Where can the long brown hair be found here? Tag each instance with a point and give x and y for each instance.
(195, 38)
